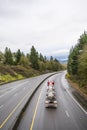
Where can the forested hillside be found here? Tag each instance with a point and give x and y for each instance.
(77, 62)
(17, 65)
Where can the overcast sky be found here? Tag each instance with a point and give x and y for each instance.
(52, 26)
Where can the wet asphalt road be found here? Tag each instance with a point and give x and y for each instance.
(69, 115)
(13, 97)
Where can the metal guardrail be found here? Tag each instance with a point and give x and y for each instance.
(19, 117)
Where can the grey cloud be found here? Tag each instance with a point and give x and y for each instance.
(47, 24)
(8, 10)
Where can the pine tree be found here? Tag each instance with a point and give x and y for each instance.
(8, 56)
(73, 62)
(2, 58)
(34, 58)
(18, 56)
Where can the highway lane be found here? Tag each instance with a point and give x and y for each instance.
(11, 88)
(68, 115)
(13, 96)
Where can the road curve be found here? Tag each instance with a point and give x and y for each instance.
(68, 115)
(13, 97)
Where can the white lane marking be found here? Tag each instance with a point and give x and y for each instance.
(1, 106)
(16, 87)
(11, 89)
(67, 113)
(63, 81)
(76, 102)
(15, 94)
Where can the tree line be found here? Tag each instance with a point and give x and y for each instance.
(33, 59)
(77, 61)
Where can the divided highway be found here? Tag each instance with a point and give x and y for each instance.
(69, 115)
(13, 97)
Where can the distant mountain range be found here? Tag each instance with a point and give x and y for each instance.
(62, 59)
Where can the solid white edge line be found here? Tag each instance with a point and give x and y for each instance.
(76, 102)
(67, 113)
